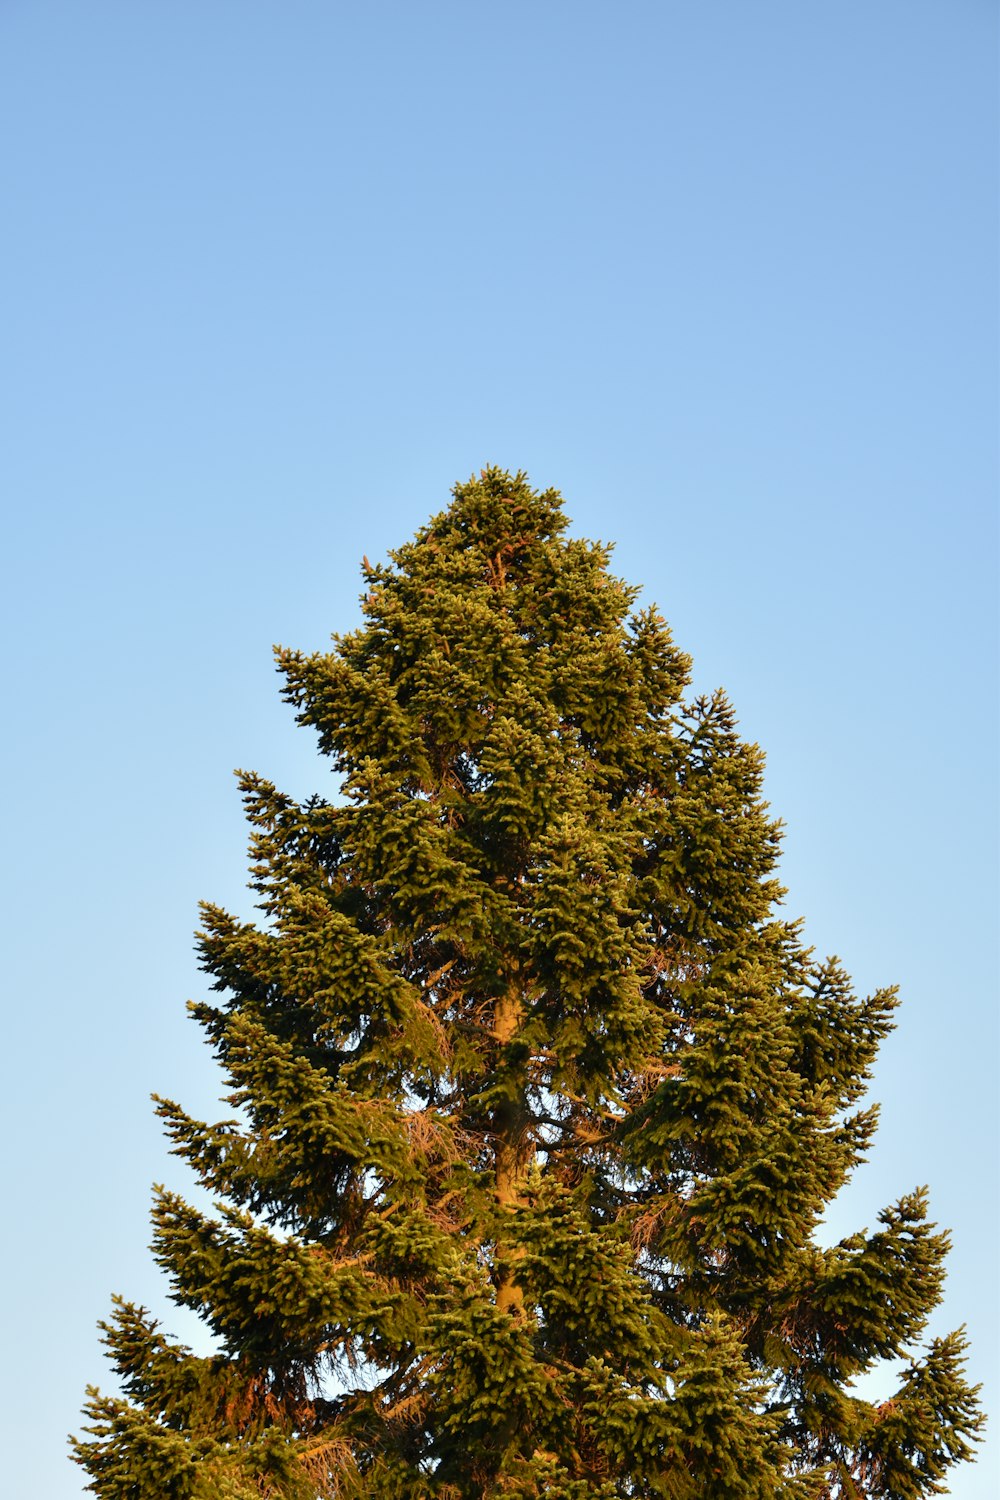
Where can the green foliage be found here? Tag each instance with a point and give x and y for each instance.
(537, 1102)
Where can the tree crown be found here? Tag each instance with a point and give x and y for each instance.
(539, 1099)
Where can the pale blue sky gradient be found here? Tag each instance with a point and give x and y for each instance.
(274, 278)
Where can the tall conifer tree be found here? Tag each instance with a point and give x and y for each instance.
(538, 1100)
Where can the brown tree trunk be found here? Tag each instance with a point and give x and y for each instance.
(514, 1148)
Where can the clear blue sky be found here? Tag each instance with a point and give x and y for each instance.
(274, 278)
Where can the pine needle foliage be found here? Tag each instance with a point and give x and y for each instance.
(538, 1101)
